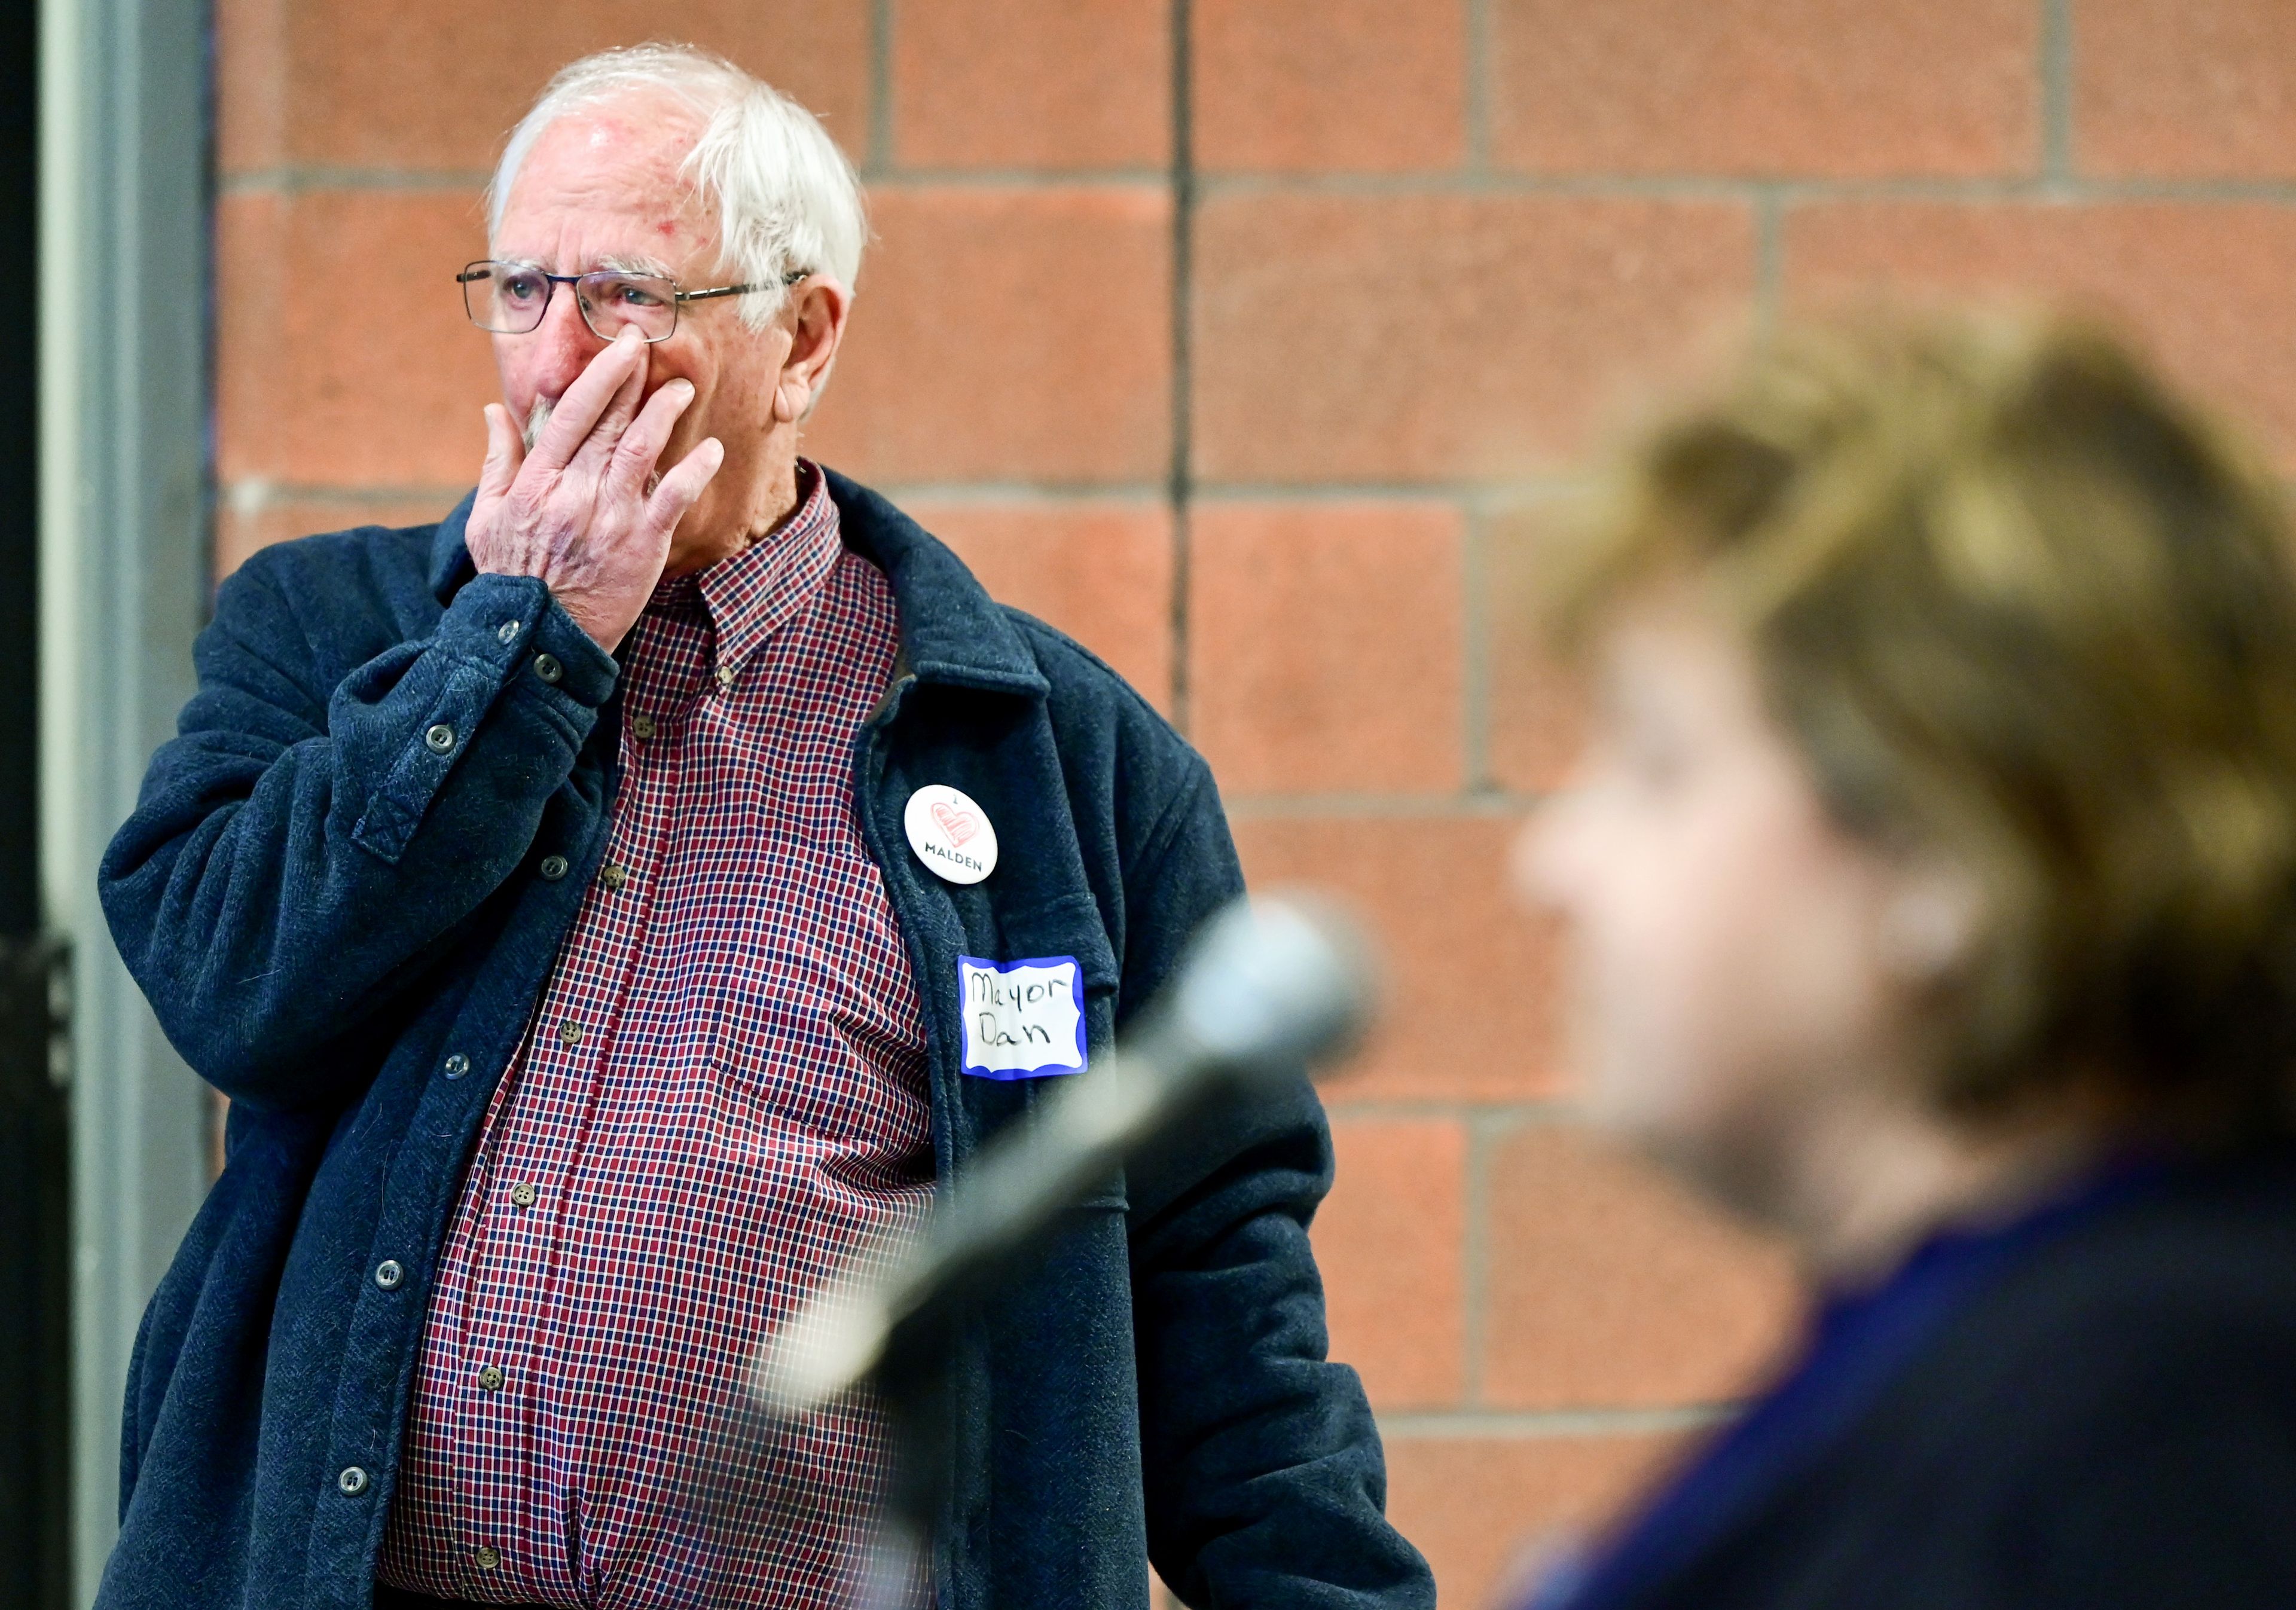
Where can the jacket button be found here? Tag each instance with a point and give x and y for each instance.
(353, 1480)
(442, 739)
(457, 1065)
(507, 632)
(553, 868)
(387, 1274)
(490, 1379)
(486, 1557)
(546, 666)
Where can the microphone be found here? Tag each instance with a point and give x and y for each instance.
(1268, 985)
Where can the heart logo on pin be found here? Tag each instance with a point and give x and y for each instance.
(959, 825)
(950, 834)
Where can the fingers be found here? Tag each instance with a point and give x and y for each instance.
(586, 402)
(597, 452)
(505, 454)
(683, 487)
(641, 444)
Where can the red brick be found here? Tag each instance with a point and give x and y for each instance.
(1425, 337)
(1610, 1287)
(1019, 334)
(1019, 84)
(2206, 284)
(240, 533)
(1804, 87)
(1481, 1507)
(251, 84)
(2186, 87)
(1469, 976)
(1102, 572)
(1324, 646)
(1365, 86)
(345, 359)
(436, 84)
(1535, 704)
(1389, 1240)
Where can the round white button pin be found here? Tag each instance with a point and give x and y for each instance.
(950, 834)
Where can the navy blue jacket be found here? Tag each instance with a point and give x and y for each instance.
(344, 930)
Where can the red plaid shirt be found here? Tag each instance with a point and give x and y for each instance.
(724, 1089)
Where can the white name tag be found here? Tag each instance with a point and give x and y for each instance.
(1022, 1019)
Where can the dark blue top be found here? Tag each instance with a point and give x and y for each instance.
(344, 930)
(1859, 1342)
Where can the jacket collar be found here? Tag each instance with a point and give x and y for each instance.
(951, 630)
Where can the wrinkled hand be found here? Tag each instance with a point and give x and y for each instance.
(576, 510)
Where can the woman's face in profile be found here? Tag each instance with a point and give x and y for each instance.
(1723, 930)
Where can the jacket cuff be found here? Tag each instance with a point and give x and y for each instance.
(501, 631)
(512, 622)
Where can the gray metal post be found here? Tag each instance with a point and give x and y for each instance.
(124, 577)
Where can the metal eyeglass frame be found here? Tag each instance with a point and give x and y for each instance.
(480, 269)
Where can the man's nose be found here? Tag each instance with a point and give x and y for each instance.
(562, 345)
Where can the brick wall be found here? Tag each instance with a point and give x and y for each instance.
(1253, 372)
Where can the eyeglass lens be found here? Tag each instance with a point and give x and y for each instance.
(510, 298)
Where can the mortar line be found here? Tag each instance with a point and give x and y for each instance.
(1182, 490)
(1769, 259)
(2087, 189)
(1745, 190)
(1029, 492)
(1494, 803)
(1550, 1422)
(1503, 1116)
(2056, 75)
(253, 493)
(295, 180)
(1474, 1256)
(1022, 178)
(880, 87)
(1475, 652)
(1478, 68)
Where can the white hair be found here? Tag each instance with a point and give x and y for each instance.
(787, 201)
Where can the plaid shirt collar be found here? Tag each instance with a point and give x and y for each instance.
(951, 632)
(748, 597)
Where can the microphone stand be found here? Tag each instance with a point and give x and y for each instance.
(1268, 986)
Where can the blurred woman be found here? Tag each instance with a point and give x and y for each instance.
(1931, 871)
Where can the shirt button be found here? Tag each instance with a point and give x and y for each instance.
(546, 666)
(725, 676)
(553, 868)
(353, 1480)
(506, 633)
(570, 1033)
(486, 1557)
(490, 1379)
(457, 1065)
(521, 1195)
(641, 727)
(387, 1274)
(613, 875)
(440, 738)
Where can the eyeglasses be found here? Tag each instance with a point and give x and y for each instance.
(510, 298)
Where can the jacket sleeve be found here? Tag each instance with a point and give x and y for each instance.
(1264, 1477)
(304, 842)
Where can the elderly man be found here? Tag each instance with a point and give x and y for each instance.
(576, 898)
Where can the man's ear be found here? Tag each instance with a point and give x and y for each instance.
(815, 321)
